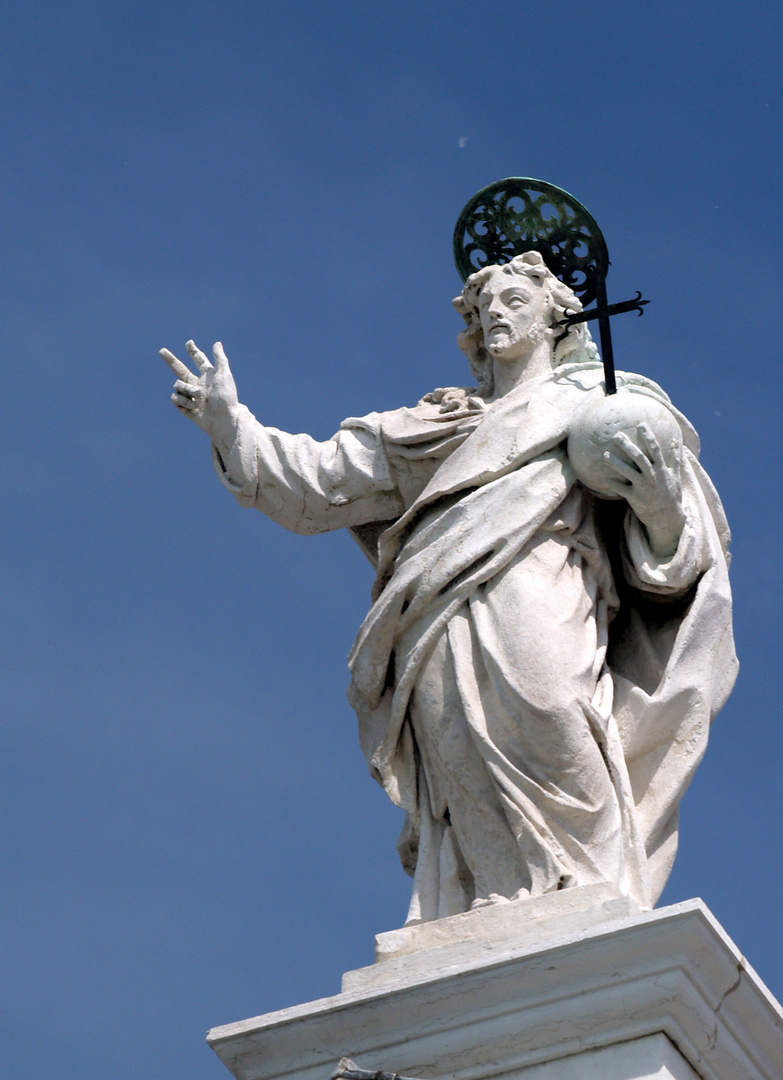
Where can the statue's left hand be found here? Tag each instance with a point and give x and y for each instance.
(650, 484)
(210, 398)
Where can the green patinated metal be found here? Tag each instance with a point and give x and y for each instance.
(520, 214)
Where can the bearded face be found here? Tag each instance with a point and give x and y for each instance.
(514, 312)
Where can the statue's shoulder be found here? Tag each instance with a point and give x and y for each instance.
(586, 375)
(590, 377)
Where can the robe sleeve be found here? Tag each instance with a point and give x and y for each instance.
(305, 485)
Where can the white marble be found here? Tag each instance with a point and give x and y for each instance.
(537, 674)
(450, 944)
(591, 440)
(662, 994)
(501, 920)
(651, 1058)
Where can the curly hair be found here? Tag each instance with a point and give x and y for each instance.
(574, 344)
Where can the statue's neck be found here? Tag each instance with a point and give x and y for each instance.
(507, 374)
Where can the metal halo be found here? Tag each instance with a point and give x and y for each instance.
(520, 214)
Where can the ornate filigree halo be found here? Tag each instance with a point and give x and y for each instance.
(520, 214)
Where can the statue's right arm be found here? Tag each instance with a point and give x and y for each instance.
(305, 485)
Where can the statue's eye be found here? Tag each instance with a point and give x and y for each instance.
(516, 300)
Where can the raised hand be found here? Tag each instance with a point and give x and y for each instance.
(650, 484)
(209, 398)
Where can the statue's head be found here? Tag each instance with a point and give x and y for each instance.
(552, 301)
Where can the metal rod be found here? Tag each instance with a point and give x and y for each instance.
(613, 309)
(604, 326)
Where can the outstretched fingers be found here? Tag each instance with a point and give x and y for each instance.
(179, 369)
(219, 354)
(199, 359)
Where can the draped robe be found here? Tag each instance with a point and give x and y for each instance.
(534, 686)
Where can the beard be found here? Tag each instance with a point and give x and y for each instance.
(510, 343)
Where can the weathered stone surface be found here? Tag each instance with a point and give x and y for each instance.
(537, 675)
(449, 944)
(661, 994)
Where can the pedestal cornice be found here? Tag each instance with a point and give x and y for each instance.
(672, 971)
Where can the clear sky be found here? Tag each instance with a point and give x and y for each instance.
(189, 833)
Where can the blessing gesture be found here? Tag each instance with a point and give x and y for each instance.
(209, 398)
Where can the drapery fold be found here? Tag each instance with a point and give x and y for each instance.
(528, 661)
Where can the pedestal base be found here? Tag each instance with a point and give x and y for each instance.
(568, 987)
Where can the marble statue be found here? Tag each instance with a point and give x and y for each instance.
(550, 630)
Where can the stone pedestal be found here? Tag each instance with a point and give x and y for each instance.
(578, 985)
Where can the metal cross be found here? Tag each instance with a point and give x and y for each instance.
(520, 214)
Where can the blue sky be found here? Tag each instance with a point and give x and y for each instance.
(189, 834)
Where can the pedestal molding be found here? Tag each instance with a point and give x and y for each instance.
(672, 971)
